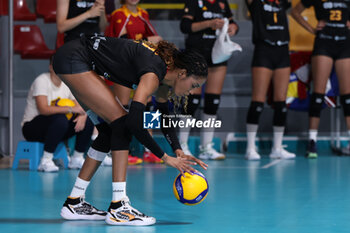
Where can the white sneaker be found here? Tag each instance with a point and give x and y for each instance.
(208, 152)
(107, 161)
(281, 154)
(251, 154)
(79, 209)
(185, 149)
(122, 213)
(47, 165)
(76, 162)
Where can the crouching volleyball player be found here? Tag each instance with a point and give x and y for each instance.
(140, 65)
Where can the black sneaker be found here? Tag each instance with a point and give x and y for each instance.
(79, 209)
(311, 150)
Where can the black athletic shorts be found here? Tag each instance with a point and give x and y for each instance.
(331, 48)
(72, 58)
(272, 57)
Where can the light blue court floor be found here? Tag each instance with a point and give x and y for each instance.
(266, 196)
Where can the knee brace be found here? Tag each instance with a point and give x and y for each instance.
(316, 105)
(120, 137)
(96, 155)
(280, 113)
(345, 102)
(149, 106)
(211, 103)
(103, 141)
(192, 104)
(255, 109)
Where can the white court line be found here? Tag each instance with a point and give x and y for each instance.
(273, 163)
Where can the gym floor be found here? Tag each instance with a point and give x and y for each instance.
(272, 196)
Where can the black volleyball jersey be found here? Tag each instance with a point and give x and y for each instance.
(202, 10)
(335, 13)
(88, 27)
(270, 23)
(123, 61)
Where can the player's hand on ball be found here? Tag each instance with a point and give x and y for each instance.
(180, 153)
(181, 164)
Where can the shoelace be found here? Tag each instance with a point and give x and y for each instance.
(85, 205)
(127, 204)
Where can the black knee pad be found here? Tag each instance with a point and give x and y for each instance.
(192, 104)
(280, 113)
(345, 101)
(255, 109)
(121, 137)
(149, 106)
(316, 104)
(103, 141)
(211, 103)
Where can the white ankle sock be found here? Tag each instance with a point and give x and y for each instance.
(119, 190)
(313, 134)
(277, 137)
(251, 136)
(207, 134)
(77, 154)
(79, 188)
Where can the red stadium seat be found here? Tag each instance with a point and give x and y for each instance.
(47, 9)
(59, 40)
(20, 9)
(29, 42)
(4, 8)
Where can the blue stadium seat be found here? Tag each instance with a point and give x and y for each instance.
(33, 152)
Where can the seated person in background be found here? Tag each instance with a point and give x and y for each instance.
(48, 124)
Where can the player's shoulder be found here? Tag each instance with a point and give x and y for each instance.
(120, 12)
(143, 11)
(43, 78)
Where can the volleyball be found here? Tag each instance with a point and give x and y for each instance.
(65, 103)
(191, 189)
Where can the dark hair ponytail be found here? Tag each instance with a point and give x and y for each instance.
(167, 51)
(193, 62)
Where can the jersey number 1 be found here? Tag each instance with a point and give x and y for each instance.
(275, 18)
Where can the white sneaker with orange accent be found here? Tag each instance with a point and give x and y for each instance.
(122, 213)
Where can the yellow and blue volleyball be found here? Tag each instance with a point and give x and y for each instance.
(191, 189)
(65, 103)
